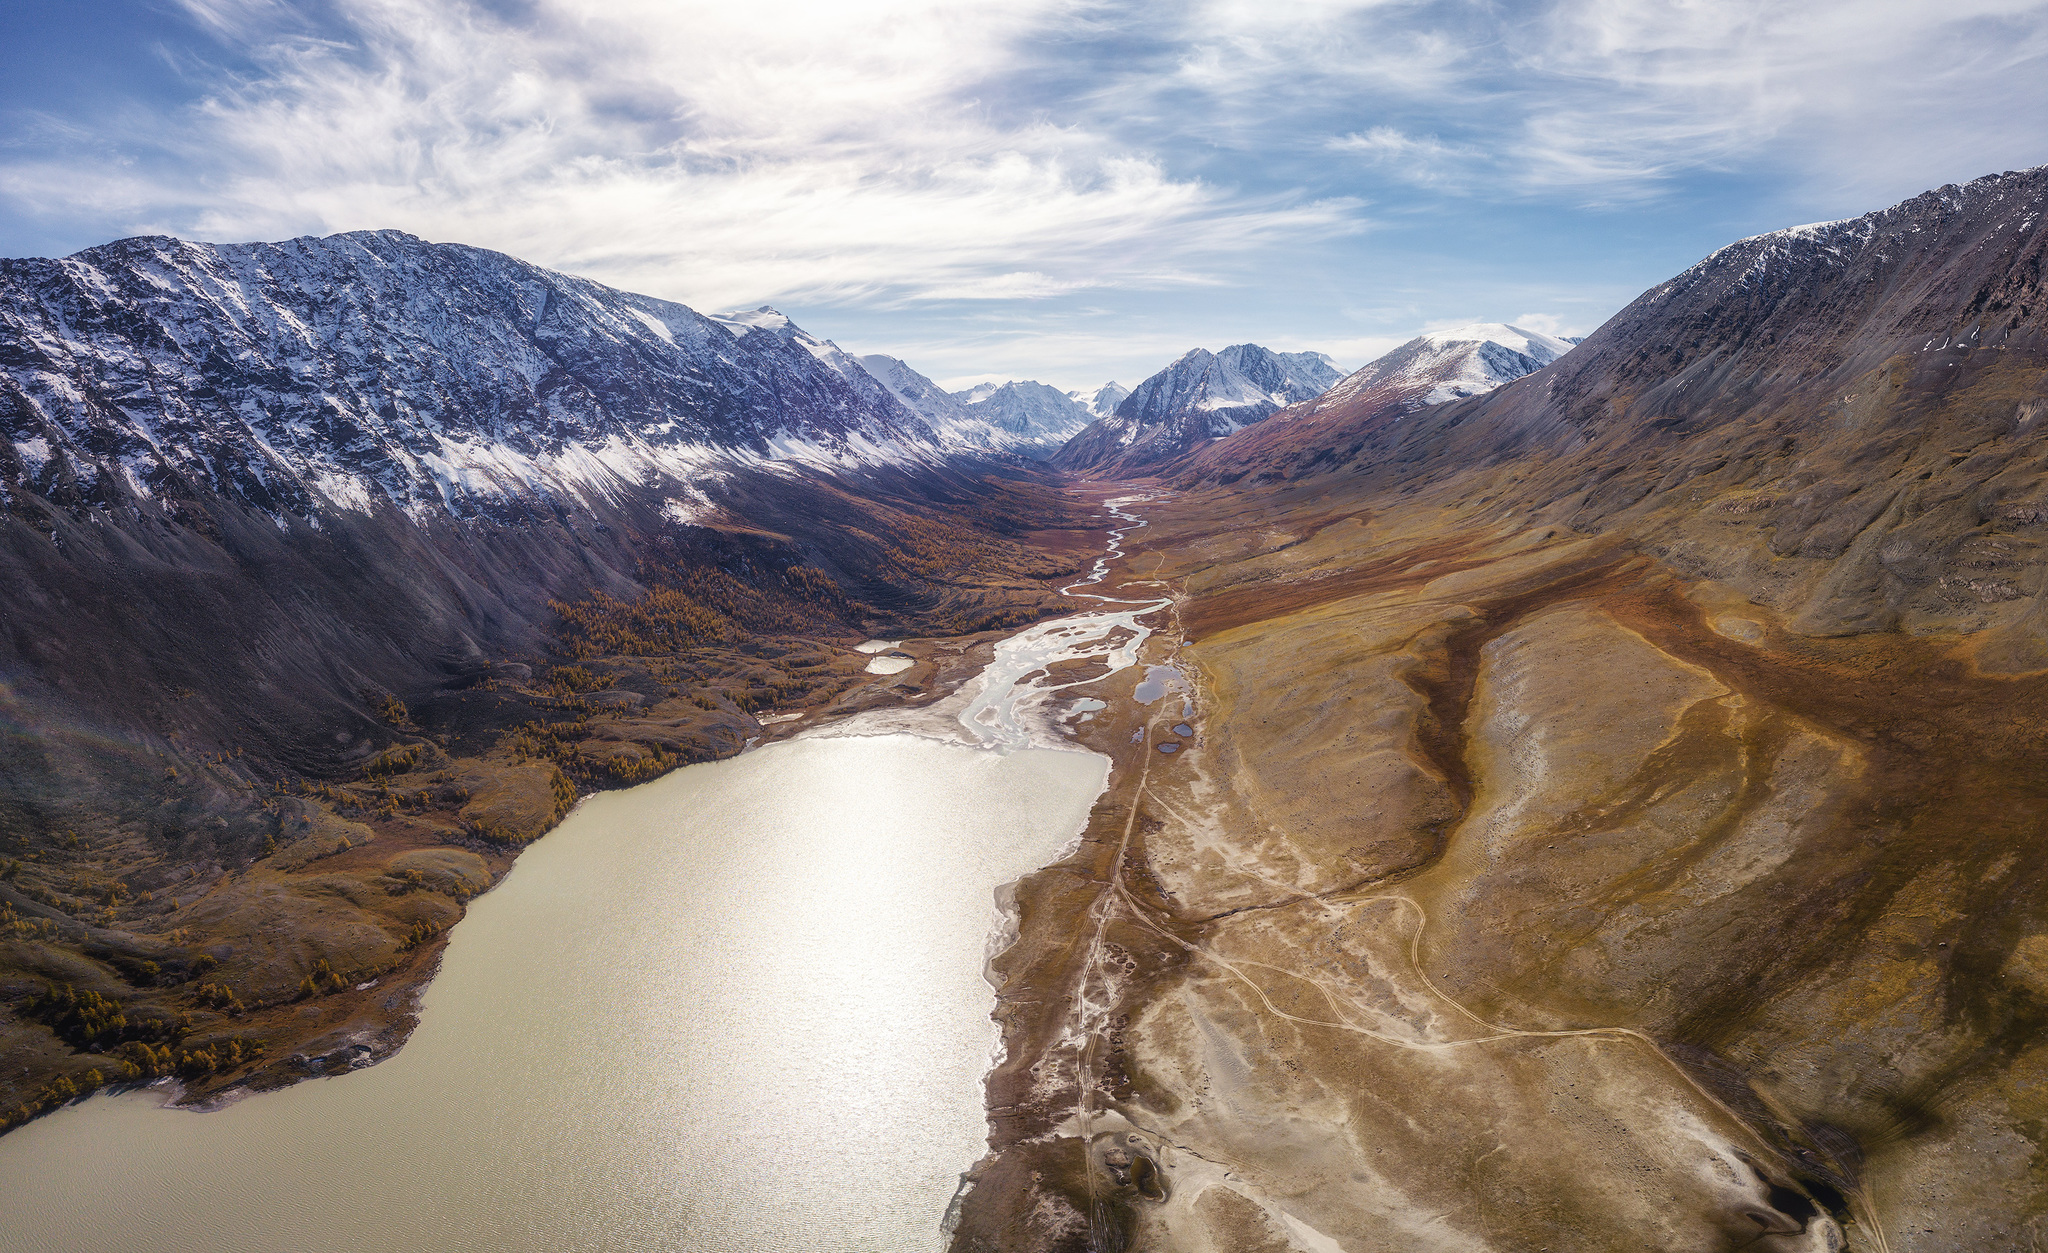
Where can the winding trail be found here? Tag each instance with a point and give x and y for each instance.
(1117, 900)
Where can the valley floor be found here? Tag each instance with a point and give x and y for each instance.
(1513, 891)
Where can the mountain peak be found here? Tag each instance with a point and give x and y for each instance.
(1103, 400)
(1041, 414)
(1533, 344)
(1450, 364)
(1201, 396)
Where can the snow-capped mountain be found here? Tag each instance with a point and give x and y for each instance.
(1431, 369)
(1200, 397)
(1448, 365)
(373, 366)
(1103, 400)
(1032, 411)
(934, 403)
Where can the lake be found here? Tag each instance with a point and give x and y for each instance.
(737, 1008)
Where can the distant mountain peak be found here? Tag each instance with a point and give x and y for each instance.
(1434, 368)
(954, 418)
(1033, 411)
(1201, 396)
(1445, 365)
(1529, 343)
(1103, 400)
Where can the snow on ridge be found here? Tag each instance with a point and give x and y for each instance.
(1441, 366)
(953, 420)
(1533, 344)
(1203, 396)
(1036, 415)
(34, 453)
(1835, 240)
(652, 323)
(1103, 400)
(338, 372)
(740, 321)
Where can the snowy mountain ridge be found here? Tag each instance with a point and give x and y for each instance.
(1446, 365)
(1039, 415)
(341, 372)
(957, 421)
(1103, 400)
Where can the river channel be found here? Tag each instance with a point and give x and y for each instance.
(738, 1008)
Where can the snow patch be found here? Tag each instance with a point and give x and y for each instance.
(34, 453)
(652, 323)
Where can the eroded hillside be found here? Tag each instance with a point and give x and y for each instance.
(1612, 814)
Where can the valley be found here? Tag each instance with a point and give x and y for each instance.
(1582, 846)
(1561, 794)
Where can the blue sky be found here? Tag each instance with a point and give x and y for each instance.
(1052, 189)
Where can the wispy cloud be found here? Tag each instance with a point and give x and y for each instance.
(834, 152)
(1597, 100)
(1853, 91)
(1423, 160)
(1361, 161)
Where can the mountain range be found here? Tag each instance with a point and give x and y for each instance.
(1604, 795)
(1431, 369)
(1045, 416)
(374, 368)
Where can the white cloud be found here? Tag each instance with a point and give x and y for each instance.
(1619, 99)
(882, 158)
(715, 154)
(1423, 160)
(1632, 92)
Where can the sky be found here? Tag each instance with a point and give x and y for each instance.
(1052, 189)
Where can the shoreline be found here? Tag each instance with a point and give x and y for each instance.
(362, 1026)
(1025, 705)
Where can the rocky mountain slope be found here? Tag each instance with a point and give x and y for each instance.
(1856, 393)
(1201, 396)
(1607, 816)
(272, 374)
(960, 425)
(332, 570)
